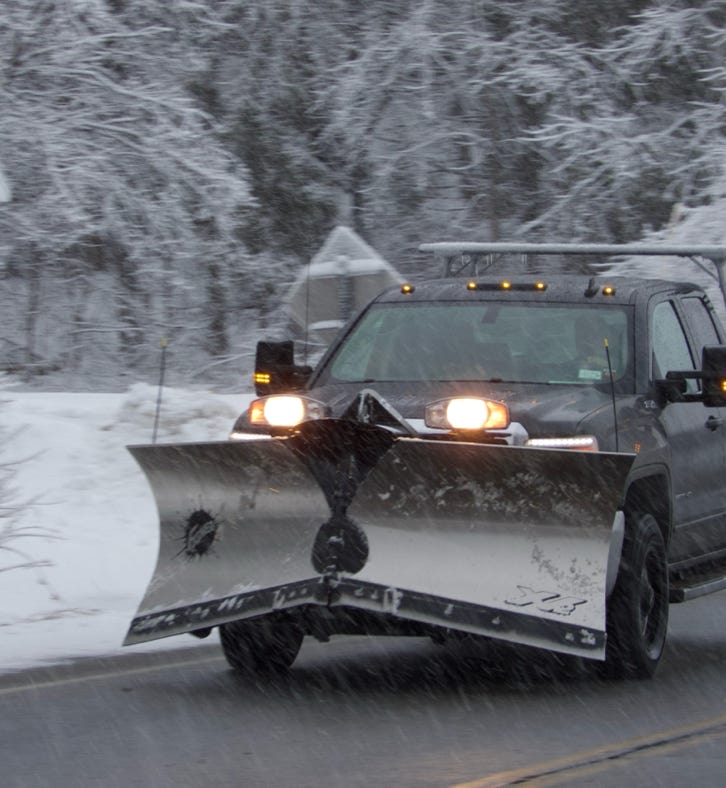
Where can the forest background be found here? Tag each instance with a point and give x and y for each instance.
(167, 168)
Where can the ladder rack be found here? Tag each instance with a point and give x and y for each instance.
(456, 253)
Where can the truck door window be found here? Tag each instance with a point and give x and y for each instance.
(670, 346)
(701, 323)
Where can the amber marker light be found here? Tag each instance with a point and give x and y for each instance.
(407, 289)
(262, 377)
(723, 386)
(540, 286)
(505, 285)
(471, 285)
(257, 412)
(608, 290)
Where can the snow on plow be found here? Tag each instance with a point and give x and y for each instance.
(511, 543)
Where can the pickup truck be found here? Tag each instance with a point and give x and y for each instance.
(533, 458)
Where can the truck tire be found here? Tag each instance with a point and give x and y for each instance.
(262, 646)
(637, 611)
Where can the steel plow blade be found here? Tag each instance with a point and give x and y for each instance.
(512, 543)
(237, 521)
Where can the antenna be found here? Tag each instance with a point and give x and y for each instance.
(612, 394)
(162, 366)
(307, 312)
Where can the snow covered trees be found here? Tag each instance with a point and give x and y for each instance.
(125, 204)
(171, 163)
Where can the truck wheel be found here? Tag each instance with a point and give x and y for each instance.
(262, 646)
(637, 612)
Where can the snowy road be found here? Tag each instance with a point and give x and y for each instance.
(353, 712)
(361, 712)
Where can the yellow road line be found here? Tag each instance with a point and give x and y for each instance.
(578, 773)
(588, 758)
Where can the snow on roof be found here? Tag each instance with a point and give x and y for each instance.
(698, 226)
(323, 325)
(345, 252)
(343, 276)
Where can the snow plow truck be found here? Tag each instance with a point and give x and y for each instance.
(536, 459)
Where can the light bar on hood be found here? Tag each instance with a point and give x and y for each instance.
(576, 442)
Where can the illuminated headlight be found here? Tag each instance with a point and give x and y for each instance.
(576, 442)
(467, 413)
(284, 411)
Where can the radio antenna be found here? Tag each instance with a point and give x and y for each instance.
(612, 394)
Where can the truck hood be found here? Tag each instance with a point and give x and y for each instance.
(539, 408)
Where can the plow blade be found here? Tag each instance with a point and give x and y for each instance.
(236, 523)
(512, 543)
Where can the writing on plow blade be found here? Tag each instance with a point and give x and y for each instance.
(546, 601)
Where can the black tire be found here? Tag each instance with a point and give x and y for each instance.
(262, 646)
(637, 611)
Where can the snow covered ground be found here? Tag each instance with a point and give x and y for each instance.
(76, 559)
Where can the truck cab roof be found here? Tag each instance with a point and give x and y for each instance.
(557, 288)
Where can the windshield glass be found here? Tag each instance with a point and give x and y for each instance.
(517, 342)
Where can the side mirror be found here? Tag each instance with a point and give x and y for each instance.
(673, 388)
(713, 366)
(712, 376)
(275, 368)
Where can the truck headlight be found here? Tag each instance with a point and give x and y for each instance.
(466, 413)
(279, 410)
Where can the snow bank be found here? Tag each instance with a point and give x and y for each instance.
(91, 518)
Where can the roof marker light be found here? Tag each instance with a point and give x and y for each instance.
(471, 285)
(540, 286)
(608, 290)
(505, 285)
(407, 289)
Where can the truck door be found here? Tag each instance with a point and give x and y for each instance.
(695, 436)
(704, 332)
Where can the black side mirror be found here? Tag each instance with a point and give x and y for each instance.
(713, 366)
(275, 368)
(712, 376)
(673, 388)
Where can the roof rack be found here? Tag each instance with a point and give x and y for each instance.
(450, 251)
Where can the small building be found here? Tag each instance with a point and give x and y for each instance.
(342, 277)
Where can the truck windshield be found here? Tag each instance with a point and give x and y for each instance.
(516, 342)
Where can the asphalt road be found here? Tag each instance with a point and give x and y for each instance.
(373, 712)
